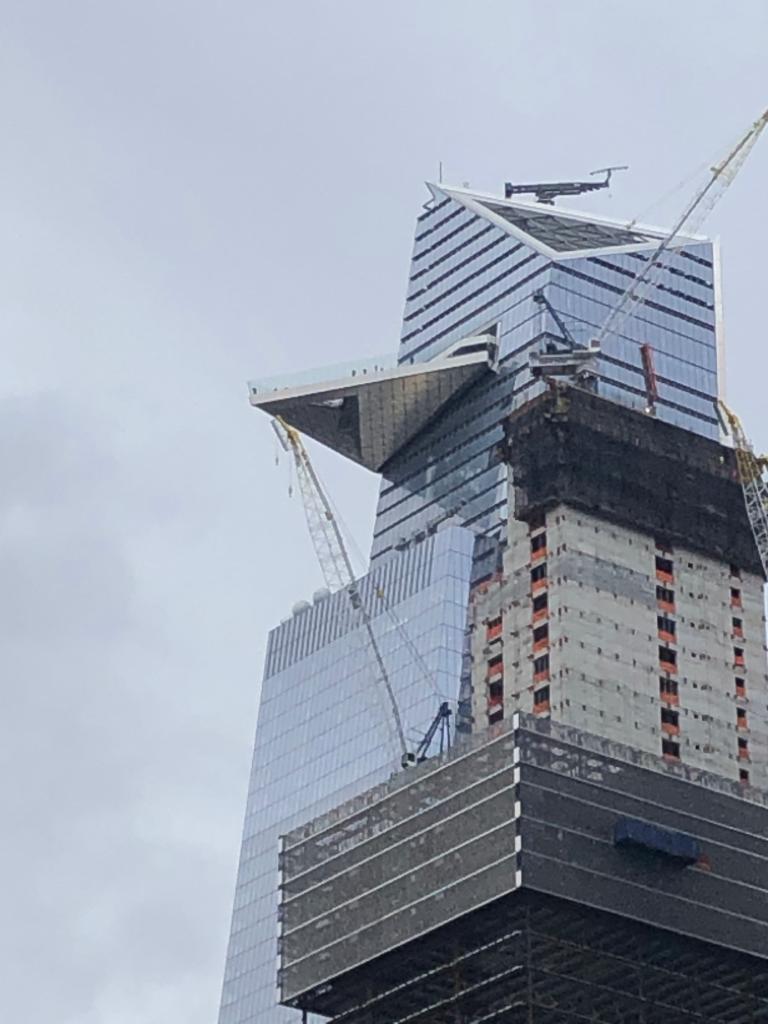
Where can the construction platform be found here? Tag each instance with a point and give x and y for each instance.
(570, 445)
(533, 874)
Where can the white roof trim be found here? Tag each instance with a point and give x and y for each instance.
(475, 201)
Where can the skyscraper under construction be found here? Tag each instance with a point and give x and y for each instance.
(562, 554)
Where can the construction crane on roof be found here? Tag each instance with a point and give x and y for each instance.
(689, 221)
(753, 483)
(338, 572)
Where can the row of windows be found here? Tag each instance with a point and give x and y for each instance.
(487, 286)
(436, 227)
(662, 287)
(471, 219)
(608, 265)
(451, 252)
(461, 284)
(649, 303)
(457, 266)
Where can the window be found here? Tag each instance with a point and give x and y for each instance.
(670, 718)
(541, 667)
(667, 687)
(738, 656)
(495, 665)
(666, 625)
(495, 692)
(664, 568)
(667, 656)
(493, 630)
(741, 687)
(496, 715)
(736, 597)
(743, 749)
(741, 718)
(539, 572)
(540, 606)
(744, 776)
(737, 626)
(539, 542)
(671, 749)
(665, 596)
(540, 635)
(541, 699)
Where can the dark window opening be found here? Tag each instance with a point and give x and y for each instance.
(540, 602)
(538, 542)
(666, 625)
(539, 573)
(667, 655)
(541, 664)
(667, 686)
(541, 633)
(664, 565)
(670, 748)
(670, 717)
(665, 594)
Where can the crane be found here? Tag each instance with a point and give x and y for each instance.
(754, 485)
(338, 572)
(721, 176)
(566, 337)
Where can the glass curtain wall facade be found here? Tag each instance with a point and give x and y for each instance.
(476, 266)
(323, 736)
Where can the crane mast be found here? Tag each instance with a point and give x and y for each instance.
(335, 562)
(689, 221)
(753, 483)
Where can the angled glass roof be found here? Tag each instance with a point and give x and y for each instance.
(566, 234)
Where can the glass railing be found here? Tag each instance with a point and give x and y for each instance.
(340, 372)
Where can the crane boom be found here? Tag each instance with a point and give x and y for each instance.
(753, 483)
(689, 220)
(334, 559)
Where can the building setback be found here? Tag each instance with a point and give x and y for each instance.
(536, 875)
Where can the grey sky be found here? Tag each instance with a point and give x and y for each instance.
(194, 193)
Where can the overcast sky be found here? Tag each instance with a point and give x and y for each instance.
(194, 193)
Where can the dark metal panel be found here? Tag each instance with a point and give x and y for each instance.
(573, 447)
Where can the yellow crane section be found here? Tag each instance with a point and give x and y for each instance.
(753, 483)
(336, 564)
